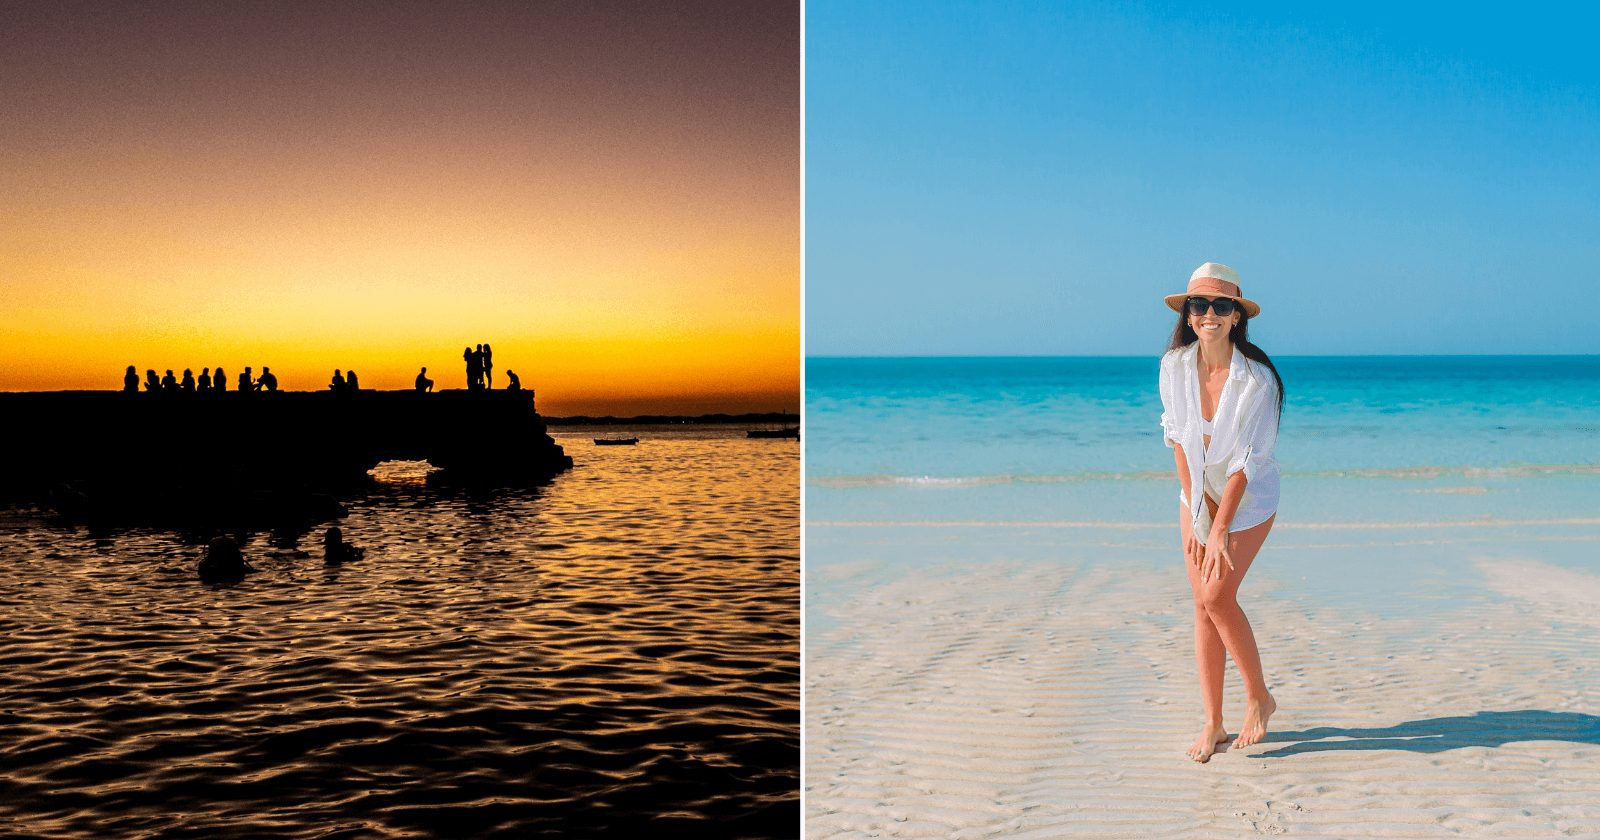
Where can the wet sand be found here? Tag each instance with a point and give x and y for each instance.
(1027, 681)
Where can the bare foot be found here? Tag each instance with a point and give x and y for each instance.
(1210, 736)
(1255, 722)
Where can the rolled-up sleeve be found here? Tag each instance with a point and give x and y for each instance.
(1259, 434)
(1169, 399)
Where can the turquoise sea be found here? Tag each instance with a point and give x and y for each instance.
(1061, 440)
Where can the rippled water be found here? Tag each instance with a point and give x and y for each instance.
(613, 653)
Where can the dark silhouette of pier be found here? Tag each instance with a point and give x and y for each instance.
(123, 454)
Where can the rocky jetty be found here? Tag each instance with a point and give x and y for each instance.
(115, 454)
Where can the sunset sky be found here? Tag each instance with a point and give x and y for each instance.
(608, 193)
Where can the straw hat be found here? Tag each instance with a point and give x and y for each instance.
(1214, 280)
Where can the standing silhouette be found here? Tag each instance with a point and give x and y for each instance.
(488, 366)
(424, 384)
(130, 380)
(474, 367)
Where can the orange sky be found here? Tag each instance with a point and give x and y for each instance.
(607, 193)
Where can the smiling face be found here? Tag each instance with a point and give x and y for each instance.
(1209, 325)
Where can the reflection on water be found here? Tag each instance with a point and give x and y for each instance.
(617, 651)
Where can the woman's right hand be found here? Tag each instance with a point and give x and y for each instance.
(1193, 551)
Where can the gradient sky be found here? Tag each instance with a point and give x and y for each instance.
(606, 192)
(1030, 178)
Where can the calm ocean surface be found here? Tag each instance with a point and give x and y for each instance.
(1363, 439)
(613, 654)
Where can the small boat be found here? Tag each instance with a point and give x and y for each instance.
(774, 433)
(615, 441)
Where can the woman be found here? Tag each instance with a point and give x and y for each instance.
(1229, 481)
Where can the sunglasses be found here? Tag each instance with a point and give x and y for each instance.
(1221, 306)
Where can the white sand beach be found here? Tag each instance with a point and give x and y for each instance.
(1035, 682)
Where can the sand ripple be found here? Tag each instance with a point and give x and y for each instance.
(1055, 699)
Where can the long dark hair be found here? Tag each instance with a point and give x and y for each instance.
(1184, 335)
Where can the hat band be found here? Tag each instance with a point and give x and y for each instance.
(1214, 286)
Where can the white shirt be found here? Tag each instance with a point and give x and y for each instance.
(1244, 433)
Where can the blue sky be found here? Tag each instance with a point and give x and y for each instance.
(1030, 178)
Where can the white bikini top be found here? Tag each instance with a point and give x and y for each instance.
(1205, 426)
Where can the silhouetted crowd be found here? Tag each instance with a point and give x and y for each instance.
(480, 377)
(480, 371)
(208, 382)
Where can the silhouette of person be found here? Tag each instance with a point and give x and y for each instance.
(473, 361)
(488, 366)
(219, 381)
(514, 384)
(151, 383)
(337, 384)
(351, 383)
(205, 380)
(335, 551)
(224, 563)
(130, 380)
(245, 384)
(267, 382)
(188, 381)
(169, 383)
(424, 384)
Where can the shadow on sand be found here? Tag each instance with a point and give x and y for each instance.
(1482, 729)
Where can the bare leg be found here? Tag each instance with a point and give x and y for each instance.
(1210, 659)
(1219, 598)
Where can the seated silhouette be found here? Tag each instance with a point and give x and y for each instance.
(337, 383)
(219, 381)
(187, 386)
(513, 383)
(336, 552)
(204, 384)
(169, 383)
(224, 563)
(424, 384)
(151, 381)
(351, 383)
(246, 384)
(267, 382)
(130, 380)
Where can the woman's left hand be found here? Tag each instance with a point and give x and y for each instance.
(1216, 555)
